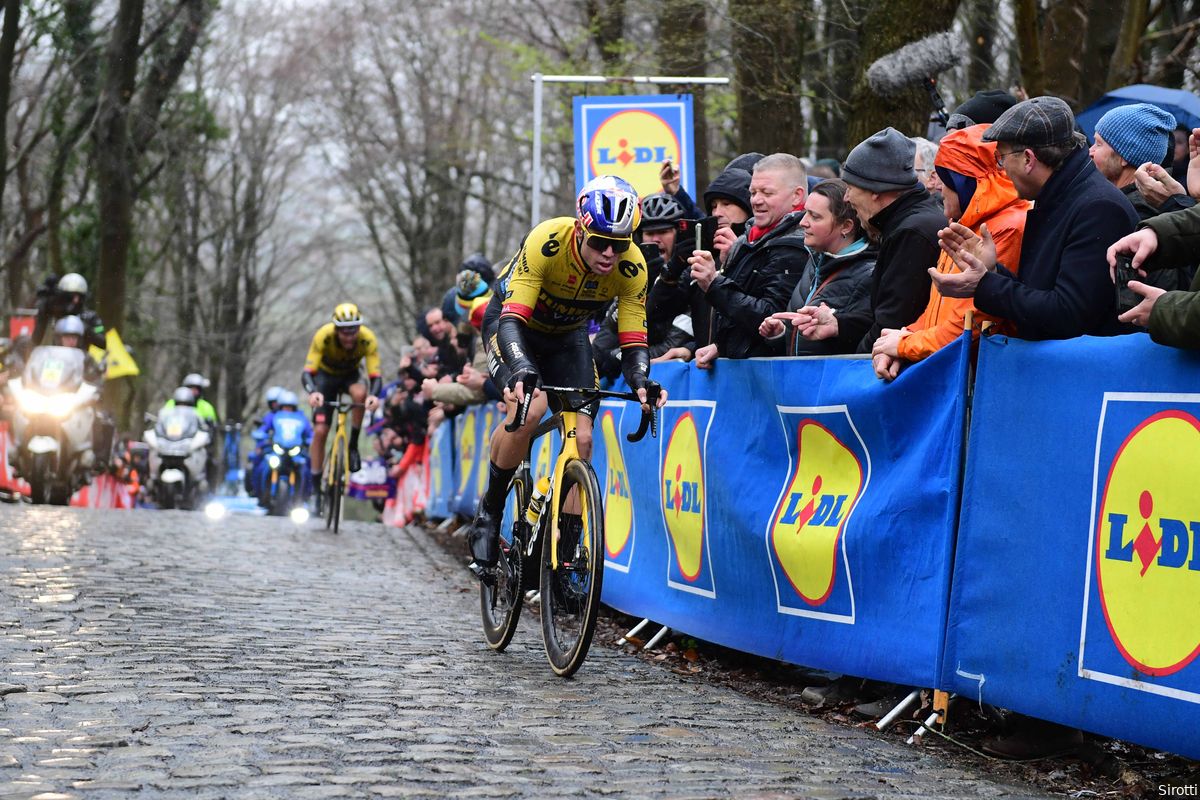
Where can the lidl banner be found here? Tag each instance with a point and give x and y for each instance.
(631, 136)
(441, 472)
(473, 432)
(1077, 577)
(798, 509)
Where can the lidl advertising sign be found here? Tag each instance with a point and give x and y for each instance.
(631, 136)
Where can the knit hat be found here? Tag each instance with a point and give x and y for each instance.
(733, 185)
(1138, 133)
(985, 106)
(1036, 122)
(882, 163)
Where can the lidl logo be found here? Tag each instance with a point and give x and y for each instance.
(806, 539)
(631, 136)
(1142, 603)
(483, 460)
(436, 452)
(618, 502)
(683, 502)
(633, 144)
(466, 451)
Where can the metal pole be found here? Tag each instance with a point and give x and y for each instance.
(535, 202)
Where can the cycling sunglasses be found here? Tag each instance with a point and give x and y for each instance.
(602, 243)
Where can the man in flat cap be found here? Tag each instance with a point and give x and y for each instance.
(1063, 288)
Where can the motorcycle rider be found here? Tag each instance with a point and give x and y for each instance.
(259, 437)
(288, 413)
(196, 384)
(69, 332)
(62, 297)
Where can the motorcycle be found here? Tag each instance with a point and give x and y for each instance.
(284, 485)
(52, 424)
(178, 455)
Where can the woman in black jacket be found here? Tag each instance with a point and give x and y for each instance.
(830, 308)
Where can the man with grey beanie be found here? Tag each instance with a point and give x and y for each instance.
(884, 190)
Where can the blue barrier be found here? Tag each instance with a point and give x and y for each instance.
(798, 509)
(1076, 562)
(441, 472)
(1076, 592)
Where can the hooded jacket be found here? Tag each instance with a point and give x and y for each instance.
(995, 204)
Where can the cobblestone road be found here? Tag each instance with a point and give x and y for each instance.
(157, 652)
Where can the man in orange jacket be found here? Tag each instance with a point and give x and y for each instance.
(976, 193)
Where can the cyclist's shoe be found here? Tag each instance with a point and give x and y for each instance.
(355, 462)
(484, 540)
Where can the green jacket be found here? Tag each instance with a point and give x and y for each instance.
(1175, 320)
(204, 410)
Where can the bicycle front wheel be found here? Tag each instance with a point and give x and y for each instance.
(501, 602)
(570, 588)
(336, 488)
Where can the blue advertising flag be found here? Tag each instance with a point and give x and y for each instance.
(630, 136)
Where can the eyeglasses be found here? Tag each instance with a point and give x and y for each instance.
(347, 332)
(602, 243)
(1001, 156)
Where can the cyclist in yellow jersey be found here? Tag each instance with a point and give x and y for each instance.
(565, 272)
(332, 367)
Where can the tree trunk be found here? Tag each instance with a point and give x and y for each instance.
(768, 53)
(1029, 43)
(8, 49)
(606, 21)
(1125, 67)
(1065, 30)
(682, 30)
(115, 162)
(886, 28)
(832, 102)
(1104, 25)
(981, 69)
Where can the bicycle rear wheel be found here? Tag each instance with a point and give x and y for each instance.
(570, 592)
(501, 602)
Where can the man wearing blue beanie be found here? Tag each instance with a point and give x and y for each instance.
(1128, 137)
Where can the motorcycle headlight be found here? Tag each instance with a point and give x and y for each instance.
(56, 405)
(273, 461)
(295, 451)
(277, 449)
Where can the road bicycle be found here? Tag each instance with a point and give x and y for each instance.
(555, 529)
(337, 463)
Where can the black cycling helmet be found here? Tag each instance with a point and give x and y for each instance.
(661, 210)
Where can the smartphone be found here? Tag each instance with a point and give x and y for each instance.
(705, 229)
(1126, 297)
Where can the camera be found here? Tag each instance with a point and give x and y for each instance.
(1125, 272)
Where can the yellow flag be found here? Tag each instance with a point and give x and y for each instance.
(120, 363)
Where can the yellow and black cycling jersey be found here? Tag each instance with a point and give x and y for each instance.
(326, 355)
(548, 285)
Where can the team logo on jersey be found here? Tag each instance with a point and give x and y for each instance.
(1141, 623)
(633, 144)
(806, 538)
(618, 502)
(683, 496)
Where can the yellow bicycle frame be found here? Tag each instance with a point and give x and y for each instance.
(570, 450)
(340, 440)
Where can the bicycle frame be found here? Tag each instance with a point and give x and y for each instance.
(339, 442)
(569, 421)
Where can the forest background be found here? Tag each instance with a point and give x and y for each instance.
(224, 173)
